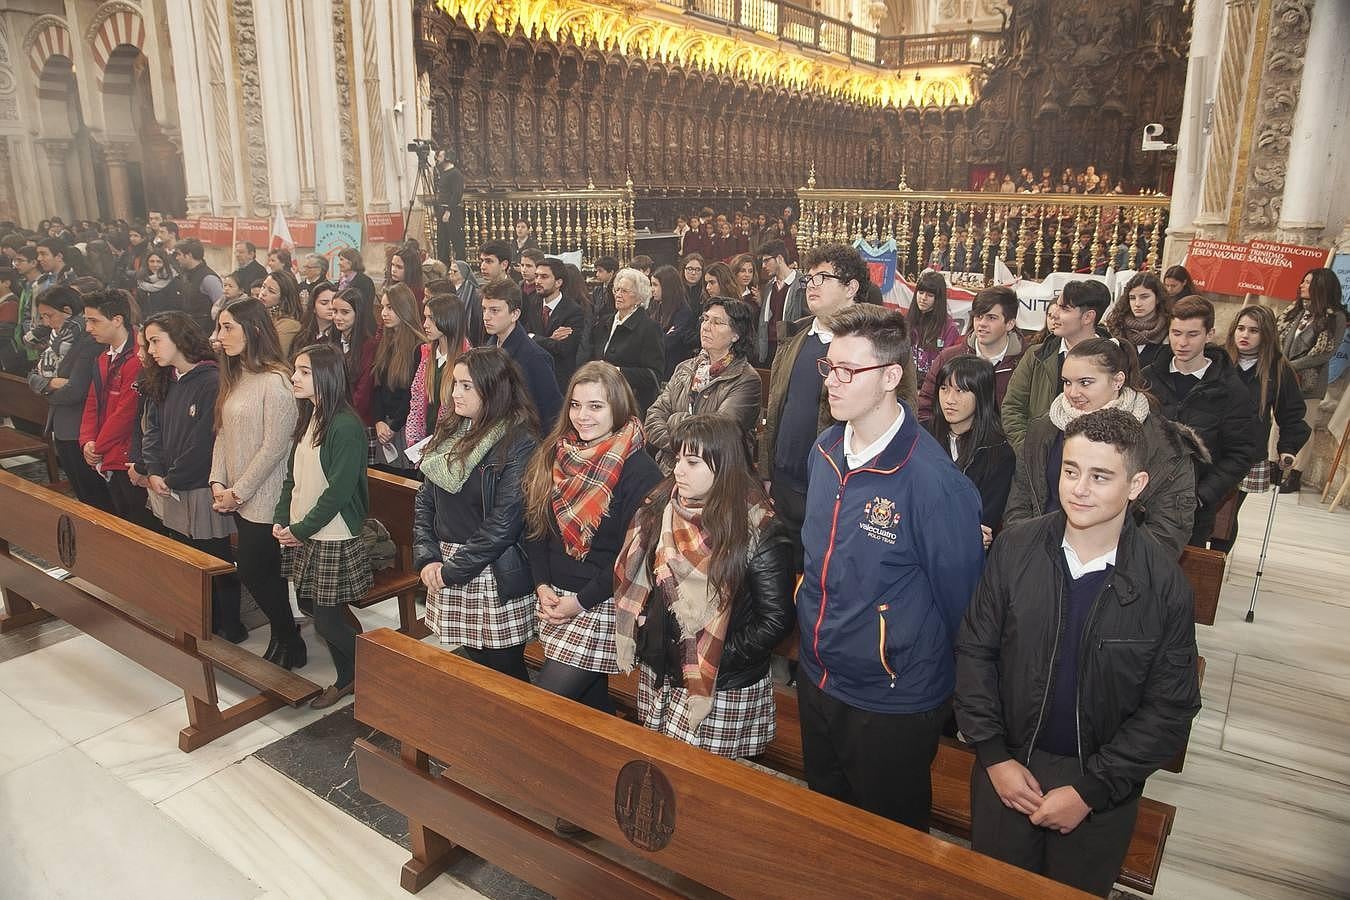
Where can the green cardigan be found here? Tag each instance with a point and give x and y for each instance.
(343, 457)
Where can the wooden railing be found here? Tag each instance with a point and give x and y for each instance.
(1034, 234)
(596, 222)
(789, 22)
(948, 48)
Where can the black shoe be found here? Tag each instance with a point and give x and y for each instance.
(273, 650)
(1292, 482)
(294, 655)
(235, 634)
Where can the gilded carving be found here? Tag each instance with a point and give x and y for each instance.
(342, 66)
(1281, 77)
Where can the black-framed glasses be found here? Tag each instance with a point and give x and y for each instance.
(844, 374)
(693, 268)
(818, 279)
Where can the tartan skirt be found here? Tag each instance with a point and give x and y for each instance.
(328, 573)
(586, 642)
(472, 615)
(742, 722)
(1258, 479)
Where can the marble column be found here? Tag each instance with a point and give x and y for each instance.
(183, 21)
(1234, 74)
(278, 103)
(1206, 29)
(115, 157)
(57, 153)
(1319, 130)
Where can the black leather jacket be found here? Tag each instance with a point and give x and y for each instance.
(1137, 683)
(501, 472)
(762, 614)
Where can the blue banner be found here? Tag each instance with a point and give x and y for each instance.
(881, 263)
(332, 235)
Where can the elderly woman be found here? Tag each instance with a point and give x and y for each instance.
(630, 339)
(352, 273)
(718, 380)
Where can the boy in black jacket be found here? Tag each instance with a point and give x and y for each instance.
(1075, 674)
(1198, 386)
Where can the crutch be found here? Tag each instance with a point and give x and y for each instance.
(1265, 543)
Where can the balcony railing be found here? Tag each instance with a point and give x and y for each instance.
(792, 23)
(949, 48)
(965, 232)
(596, 222)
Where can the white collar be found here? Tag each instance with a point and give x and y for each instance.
(1078, 568)
(872, 450)
(791, 277)
(1007, 342)
(114, 351)
(1198, 373)
(1247, 363)
(821, 332)
(553, 304)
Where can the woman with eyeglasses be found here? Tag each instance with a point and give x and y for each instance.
(718, 380)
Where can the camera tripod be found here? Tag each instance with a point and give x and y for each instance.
(423, 184)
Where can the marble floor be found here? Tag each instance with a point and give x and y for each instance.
(96, 800)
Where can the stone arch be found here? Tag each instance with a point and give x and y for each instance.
(117, 26)
(49, 37)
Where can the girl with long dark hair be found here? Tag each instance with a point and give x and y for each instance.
(157, 284)
(676, 316)
(179, 388)
(931, 329)
(396, 362)
(581, 490)
(966, 422)
(1140, 316)
(703, 593)
(281, 295)
(444, 325)
(316, 324)
(254, 418)
(405, 267)
(354, 328)
(1254, 347)
(323, 503)
(1102, 373)
(1177, 283)
(1310, 334)
(468, 514)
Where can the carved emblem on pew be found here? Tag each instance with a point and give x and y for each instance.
(644, 805)
(65, 541)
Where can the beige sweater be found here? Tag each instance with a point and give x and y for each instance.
(254, 439)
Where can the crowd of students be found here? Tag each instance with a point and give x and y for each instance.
(975, 533)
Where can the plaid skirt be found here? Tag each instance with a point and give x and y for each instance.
(1258, 479)
(472, 615)
(586, 642)
(328, 573)
(742, 722)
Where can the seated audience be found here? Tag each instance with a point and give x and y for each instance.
(630, 339)
(993, 337)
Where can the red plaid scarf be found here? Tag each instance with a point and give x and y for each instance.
(583, 483)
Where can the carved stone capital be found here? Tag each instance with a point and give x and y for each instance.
(57, 149)
(116, 153)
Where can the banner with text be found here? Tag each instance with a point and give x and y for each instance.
(384, 228)
(1256, 267)
(332, 235)
(255, 231)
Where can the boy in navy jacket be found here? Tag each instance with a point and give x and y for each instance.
(892, 554)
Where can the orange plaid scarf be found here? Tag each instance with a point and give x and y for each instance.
(583, 483)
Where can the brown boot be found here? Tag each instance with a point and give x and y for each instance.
(331, 694)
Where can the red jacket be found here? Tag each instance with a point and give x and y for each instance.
(110, 407)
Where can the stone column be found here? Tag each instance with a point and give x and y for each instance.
(1206, 28)
(115, 156)
(1319, 128)
(278, 103)
(1234, 66)
(57, 154)
(184, 21)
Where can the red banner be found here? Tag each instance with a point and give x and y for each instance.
(384, 228)
(215, 231)
(302, 231)
(255, 231)
(187, 228)
(1257, 267)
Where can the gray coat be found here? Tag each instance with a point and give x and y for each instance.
(1312, 368)
(794, 307)
(71, 353)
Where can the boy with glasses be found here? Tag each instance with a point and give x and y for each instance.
(1071, 318)
(892, 553)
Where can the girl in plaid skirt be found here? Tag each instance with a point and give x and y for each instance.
(467, 516)
(1254, 347)
(322, 507)
(703, 593)
(581, 491)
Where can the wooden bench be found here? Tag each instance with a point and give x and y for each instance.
(1204, 570)
(950, 778)
(18, 402)
(144, 595)
(391, 502)
(672, 820)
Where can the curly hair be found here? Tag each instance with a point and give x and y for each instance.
(847, 263)
(1115, 427)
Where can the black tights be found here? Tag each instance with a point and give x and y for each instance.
(259, 566)
(339, 634)
(507, 660)
(224, 588)
(582, 685)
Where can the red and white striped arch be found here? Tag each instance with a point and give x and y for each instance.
(124, 26)
(52, 40)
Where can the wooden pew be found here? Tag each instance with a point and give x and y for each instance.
(18, 401)
(391, 501)
(144, 595)
(515, 755)
(1204, 570)
(950, 777)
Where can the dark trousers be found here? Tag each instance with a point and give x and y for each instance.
(128, 502)
(1088, 858)
(507, 660)
(790, 506)
(1203, 527)
(875, 761)
(259, 566)
(582, 685)
(339, 634)
(224, 588)
(88, 485)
